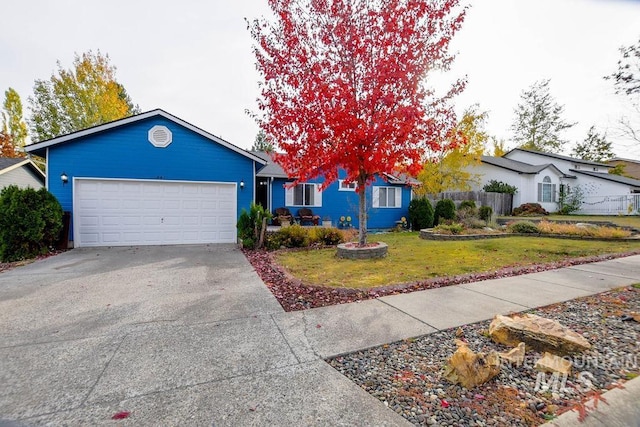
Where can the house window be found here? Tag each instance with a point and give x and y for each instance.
(344, 186)
(387, 197)
(304, 195)
(546, 191)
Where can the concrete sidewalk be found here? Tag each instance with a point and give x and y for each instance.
(334, 330)
(191, 336)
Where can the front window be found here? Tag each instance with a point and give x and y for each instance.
(387, 197)
(303, 195)
(546, 191)
(344, 186)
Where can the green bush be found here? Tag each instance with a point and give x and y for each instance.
(499, 187)
(473, 222)
(325, 236)
(294, 236)
(420, 213)
(249, 225)
(485, 213)
(523, 227)
(454, 228)
(467, 204)
(445, 210)
(30, 223)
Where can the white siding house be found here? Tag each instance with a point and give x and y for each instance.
(21, 172)
(540, 177)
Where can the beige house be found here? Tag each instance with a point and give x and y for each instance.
(21, 172)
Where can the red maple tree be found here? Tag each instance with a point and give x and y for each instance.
(345, 86)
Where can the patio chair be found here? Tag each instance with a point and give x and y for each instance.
(282, 216)
(306, 216)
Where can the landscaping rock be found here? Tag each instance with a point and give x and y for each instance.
(552, 363)
(471, 369)
(540, 333)
(515, 356)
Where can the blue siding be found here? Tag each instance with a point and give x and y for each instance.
(337, 203)
(125, 152)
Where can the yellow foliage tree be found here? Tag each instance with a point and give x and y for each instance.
(449, 170)
(83, 96)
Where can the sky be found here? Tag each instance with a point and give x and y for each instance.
(194, 59)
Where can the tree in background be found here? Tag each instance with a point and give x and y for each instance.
(499, 148)
(86, 95)
(449, 168)
(13, 126)
(538, 124)
(261, 143)
(626, 81)
(594, 148)
(345, 86)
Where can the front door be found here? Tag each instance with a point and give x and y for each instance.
(262, 192)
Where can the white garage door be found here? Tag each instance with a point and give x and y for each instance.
(134, 212)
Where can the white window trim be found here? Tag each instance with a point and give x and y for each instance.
(376, 197)
(340, 188)
(289, 196)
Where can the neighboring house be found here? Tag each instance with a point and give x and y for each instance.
(149, 179)
(21, 172)
(542, 177)
(631, 167)
(388, 197)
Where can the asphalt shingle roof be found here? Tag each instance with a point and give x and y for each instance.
(6, 162)
(611, 177)
(514, 165)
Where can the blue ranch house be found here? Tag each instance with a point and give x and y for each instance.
(154, 178)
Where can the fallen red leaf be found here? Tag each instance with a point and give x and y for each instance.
(121, 415)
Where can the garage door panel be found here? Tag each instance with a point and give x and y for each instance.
(121, 212)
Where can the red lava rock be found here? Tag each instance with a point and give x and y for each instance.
(444, 403)
(293, 295)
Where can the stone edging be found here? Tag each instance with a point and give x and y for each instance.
(430, 235)
(369, 252)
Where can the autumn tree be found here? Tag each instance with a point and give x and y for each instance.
(594, 148)
(538, 122)
(345, 86)
(451, 168)
(261, 143)
(85, 95)
(13, 125)
(626, 81)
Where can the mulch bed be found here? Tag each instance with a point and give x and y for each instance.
(294, 295)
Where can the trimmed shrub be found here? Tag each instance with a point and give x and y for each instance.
(485, 213)
(325, 236)
(523, 227)
(530, 209)
(494, 186)
(445, 210)
(467, 204)
(294, 236)
(449, 228)
(30, 223)
(420, 213)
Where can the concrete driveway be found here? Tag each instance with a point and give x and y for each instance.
(175, 335)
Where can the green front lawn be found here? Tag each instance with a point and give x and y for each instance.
(412, 259)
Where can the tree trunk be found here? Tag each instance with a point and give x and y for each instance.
(362, 217)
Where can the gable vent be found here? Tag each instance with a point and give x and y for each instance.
(160, 136)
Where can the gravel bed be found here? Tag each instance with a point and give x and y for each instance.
(407, 375)
(294, 295)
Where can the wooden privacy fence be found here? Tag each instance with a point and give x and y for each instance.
(501, 203)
